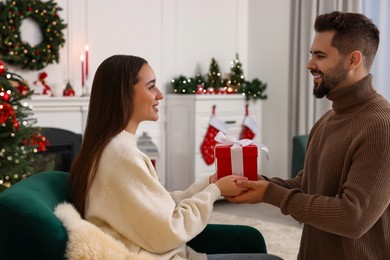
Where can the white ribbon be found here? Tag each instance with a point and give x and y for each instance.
(232, 140)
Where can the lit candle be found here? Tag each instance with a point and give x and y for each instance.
(82, 70)
(86, 60)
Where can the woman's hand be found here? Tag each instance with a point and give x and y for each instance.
(213, 178)
(228, 187)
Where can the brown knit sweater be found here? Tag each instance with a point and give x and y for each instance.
(343, 194)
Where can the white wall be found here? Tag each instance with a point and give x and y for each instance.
(181, 37)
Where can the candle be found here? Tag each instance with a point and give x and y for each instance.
(86, 60)
(82, 70)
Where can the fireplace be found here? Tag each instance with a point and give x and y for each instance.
(63, 147)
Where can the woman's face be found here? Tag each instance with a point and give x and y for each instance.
(146, 96)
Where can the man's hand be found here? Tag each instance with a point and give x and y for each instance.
(254, 191)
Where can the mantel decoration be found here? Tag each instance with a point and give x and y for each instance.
(233, 83)
(16, 52)
(20, 142)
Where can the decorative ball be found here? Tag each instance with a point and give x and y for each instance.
(2, 68)
(4, 96)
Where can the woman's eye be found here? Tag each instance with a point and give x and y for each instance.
(152, 86)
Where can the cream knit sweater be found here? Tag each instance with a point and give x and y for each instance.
(127, 201)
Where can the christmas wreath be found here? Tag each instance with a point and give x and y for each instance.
(17, 52)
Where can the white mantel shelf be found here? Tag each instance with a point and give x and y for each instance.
(58, 103)
(69, 113)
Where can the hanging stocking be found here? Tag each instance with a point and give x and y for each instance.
(208, 144)
(249, 128)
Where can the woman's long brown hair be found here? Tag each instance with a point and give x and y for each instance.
(110, 109)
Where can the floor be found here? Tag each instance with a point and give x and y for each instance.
(262, 211)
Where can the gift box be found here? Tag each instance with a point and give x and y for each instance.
(236, 159)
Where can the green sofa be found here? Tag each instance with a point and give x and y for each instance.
(30, 230)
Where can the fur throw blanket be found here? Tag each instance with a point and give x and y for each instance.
(87, 241)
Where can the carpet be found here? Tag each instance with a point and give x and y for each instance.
(282, 240)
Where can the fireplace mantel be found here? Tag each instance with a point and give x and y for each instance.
(68, 113)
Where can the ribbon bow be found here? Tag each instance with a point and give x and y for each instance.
(232, 140)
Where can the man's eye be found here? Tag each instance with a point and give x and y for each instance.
(152, 86)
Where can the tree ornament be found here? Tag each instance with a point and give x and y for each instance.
(17, 52)
(23, 88)
(208, 144)
(4, 96)
(68, 91)
(201, 84)
(2, 68)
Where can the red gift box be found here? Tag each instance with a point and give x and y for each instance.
(244, 166)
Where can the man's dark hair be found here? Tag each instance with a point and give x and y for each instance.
(353, 31)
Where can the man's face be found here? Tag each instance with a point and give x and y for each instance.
(326, 65)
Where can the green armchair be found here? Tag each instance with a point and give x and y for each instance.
(29, 229)
(298, 154)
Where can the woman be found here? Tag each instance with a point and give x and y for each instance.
(114, 185)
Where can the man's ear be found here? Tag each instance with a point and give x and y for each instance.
(356, 58)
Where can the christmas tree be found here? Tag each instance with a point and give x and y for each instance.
(236, 74)
(214, 79)
(20, 142)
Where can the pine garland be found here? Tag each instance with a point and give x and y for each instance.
(234, 83)
(253, 89)
(14, 50)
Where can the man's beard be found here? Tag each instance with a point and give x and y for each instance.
(330, 81)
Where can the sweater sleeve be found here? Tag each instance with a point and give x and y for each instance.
(363, 196)
(290, 184)
(133, 203)
(190, 191)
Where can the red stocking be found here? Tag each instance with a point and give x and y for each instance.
(249, 128)
(208, 144)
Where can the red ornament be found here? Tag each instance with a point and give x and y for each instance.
(38, 140)
(6, 112)
(2, 68)
(68, 91)
(23, 89)
(201, 89)
(16, 124)
(5, 96)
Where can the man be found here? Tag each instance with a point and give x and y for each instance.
(343, 193)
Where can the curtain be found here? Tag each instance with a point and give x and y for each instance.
(305, 109)
(378, 11)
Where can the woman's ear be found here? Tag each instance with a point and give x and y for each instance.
(356, 58)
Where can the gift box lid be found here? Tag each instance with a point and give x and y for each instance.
(222, 151)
